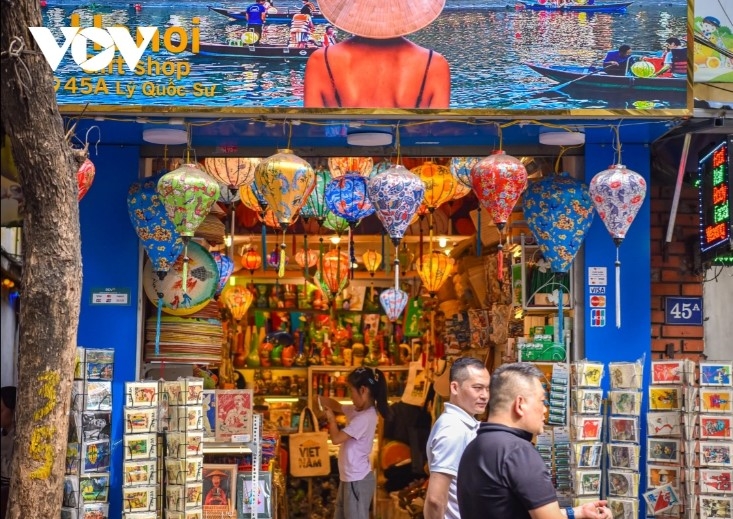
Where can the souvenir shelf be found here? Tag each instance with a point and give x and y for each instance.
(86, 480)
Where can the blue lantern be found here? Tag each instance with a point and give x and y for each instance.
(393, 301)
(225, 265)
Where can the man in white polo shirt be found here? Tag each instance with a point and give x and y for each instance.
(452, 431)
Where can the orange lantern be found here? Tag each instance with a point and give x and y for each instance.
(335, 271)
(237, 299)
(440, 184)
(434, 269)
(251, 260)
(372, 261)
(339, 166)
(306, 257)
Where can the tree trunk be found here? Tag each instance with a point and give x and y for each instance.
(51, 282)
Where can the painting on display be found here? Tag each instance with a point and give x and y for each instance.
(713, 30)
(490, 56)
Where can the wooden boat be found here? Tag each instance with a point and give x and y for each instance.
(222, 50)
(598, 80)
(593, 7)
(279, 17)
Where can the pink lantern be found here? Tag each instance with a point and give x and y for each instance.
(617, 193)
(85, 177)
(498, 181)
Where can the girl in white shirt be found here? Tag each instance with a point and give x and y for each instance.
(357, 483)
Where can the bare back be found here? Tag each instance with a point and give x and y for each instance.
(368, 73)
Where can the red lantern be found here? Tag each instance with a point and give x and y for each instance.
(85, 177)
(498, 181)
(251, 260)
(335, 270)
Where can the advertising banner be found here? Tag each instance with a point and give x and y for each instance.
(445, 56)
(713, 30)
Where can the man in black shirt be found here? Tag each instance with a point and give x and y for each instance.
(501, 474)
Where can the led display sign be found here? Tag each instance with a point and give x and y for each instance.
(715, 201)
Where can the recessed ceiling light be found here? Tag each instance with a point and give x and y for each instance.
(167, 136)
(369, 138)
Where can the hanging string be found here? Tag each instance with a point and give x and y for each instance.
(230, 248)
(290, 133)
(352, 254)
(397, 144)
(617, 131)
(618, 288)
(501, 136)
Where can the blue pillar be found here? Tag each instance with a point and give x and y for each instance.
(633, 340)
(109, 249)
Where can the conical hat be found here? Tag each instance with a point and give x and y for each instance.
(217, 472)
(379, 19)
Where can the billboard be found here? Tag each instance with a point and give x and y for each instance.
(713, 31)
(596, 57)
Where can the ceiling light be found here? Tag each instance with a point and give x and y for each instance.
(176, 121)
(554, 137)
(335, 239)
(167, 136)
(369, 138)
(442, 241)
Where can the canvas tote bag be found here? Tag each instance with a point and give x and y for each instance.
(308, 451)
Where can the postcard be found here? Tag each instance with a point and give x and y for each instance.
(716, 427)
(69, 513)
(716, 373)
(173, 392)
(96, 426)
(219, 487)
(139, 446)
(588, 401)
(716, 481)
(668, 372)
(623, 456)
(208, 404)
(624, 429)
(625, 402)
(665, 398)
(99, 364)
(140, 420)
(623, 508)
(141, 394)
(588, 482)
(94, 511)
(661, 499)
(234, 415)
(715, 400)
(281, 418)
(715, 507)
(659, 475)
(590, 374)
(186, 418)
(588, 455)
(70, 496)
(95, 456)
(139, 473)
(73, 458)
(623, 483)
(98, 395)
(626, 375)
(260, 495)
(663, 449)
(138, 499)
(94, 487)
(716, 454)
(194, 389)
(586, 428)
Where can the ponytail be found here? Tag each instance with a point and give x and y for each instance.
(376, 382)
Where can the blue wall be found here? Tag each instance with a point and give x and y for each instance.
(109, 248)
(633, 340)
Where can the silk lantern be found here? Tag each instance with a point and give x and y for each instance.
(340, 166)
(251, 260)
(306, 258)
(498, 181)
(237, 299)
(225, 265)
(434, 269)
(559, 212)
(188, 194)
(85, 177)
(233, 172)
(618, 193)
(315, 204)
(396, 195)
(460, 168)
(334, 273)
(393, 300)
(372, 261)
(252, 198)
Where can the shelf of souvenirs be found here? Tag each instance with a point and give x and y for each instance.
(217, 447)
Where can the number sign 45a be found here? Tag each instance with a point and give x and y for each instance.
(683, 310)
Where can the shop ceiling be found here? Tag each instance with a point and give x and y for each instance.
(260, 136)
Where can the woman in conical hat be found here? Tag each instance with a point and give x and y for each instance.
(378, 67)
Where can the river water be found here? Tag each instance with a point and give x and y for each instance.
(486, 44)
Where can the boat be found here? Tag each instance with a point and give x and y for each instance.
(222, 50)
(279, 17)
(594, 78)
(585, 7)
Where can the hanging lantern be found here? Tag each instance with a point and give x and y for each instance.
(434, 269)
(559, 212)
(252, 198)
(372, 261)
(380, 167)
(396, 195)
(335, 271)
(393, 301)
(85, 177)
(618, 193)
(228, 196)
(233, 172)
(225, 265)
(460, 167)
(340, 166)
(270, 220)
(335, 223)
(315, 204)
(237, 299)
(251, 260)
(188, 194)
(306, 258)
(461, 191)
(285, 181)
(275, 258)
(406, 257)
(498, 181)
(440, 184)
(346, 196)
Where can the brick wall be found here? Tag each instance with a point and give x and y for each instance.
(673, 270)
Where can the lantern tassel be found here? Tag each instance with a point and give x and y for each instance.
(478, 232)
(263, 248)
(281, 263)
(560, 316)
(500, 260)
(396, 270)
(618, 289)
(157, 324)
(184, 270)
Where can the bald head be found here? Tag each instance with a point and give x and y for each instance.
(510, 381)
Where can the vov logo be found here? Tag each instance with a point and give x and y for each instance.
(108, 39)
